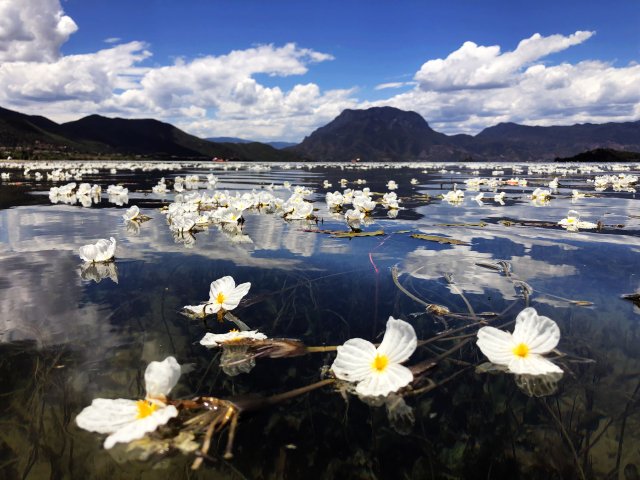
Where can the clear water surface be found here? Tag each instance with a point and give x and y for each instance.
(68, 335)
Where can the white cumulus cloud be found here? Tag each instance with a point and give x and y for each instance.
(476, 87)
(239, 93)
(209, 96)
(33, 30)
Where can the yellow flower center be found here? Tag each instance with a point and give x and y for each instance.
(220, 297)
(145, 408)
(521, 350)
(235, 337)
(380, 363)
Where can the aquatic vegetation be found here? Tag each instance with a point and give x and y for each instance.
(522, 351)
(456, 273)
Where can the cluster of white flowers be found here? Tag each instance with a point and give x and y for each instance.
(619, 183)
(118, 194)
(85, 194)
(454, 197)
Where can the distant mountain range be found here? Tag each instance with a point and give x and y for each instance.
(376, 134)
(390, 134)
(31, 136)
(278, 145)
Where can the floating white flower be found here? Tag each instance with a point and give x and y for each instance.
(377, 371)
(392, 185)
(132, 213)
(572, 223)
(211, 340)
(454, 196)
(541, 196)
(127, 420)
(521, 351)
(101, 251)
(224, 295)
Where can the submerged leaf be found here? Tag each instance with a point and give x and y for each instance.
(478, 224)
(436, 238)
(348, 233)
(401, 416)
(582, 303)
(539, 385)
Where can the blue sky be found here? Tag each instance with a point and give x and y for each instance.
(298, 64)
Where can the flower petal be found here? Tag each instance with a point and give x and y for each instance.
(233, 297)
(195, 309)
(222, 285)
(392, 379)
(496, 345)
(399, 341)
(138, 428)
(107, 415)
(533, 365)
(161, 377)
(88, 253)
(540, 334)
(354, 360)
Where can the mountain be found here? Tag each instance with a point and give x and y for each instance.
(228, 140)
(30, 136)
(390, 134)
(378, 133)
(508, 140)
(278, 145)
(602, 155)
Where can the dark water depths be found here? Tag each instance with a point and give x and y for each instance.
(65, 339)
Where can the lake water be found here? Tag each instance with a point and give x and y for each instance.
(69, 334)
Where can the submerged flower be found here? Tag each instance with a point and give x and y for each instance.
(521, 351)
(101, 251)
(211, 340)
(377, 371)
(127, 420)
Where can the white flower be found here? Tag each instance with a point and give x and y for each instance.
(182, 224)
(454, 196)
(572, 223)
(540, 195)
(127, 420)
(377, 371)
(211, 340)
(392, 185)
(521, 351)
(102, 251)
(131, 213)
(224, 295)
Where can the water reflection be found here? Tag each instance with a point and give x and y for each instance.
(71, 332)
